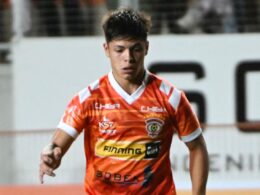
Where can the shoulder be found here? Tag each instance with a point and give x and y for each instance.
(172, 93)
(92, 88)
(163, 85)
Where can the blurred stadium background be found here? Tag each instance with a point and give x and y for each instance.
(50, 49)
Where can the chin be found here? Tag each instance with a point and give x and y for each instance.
(128, 77)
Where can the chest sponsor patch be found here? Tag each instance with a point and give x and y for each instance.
(127, 150)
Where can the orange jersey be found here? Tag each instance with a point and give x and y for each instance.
(127, 138)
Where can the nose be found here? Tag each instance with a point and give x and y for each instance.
(128, 56)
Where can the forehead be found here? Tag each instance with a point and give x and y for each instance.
(126, 42)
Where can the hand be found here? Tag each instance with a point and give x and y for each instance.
(50, 160)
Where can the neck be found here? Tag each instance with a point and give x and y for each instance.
(130, 86)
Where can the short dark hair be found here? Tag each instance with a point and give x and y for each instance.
(126, 23)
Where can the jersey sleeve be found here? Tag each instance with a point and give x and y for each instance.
(72, 121)
(188, 126)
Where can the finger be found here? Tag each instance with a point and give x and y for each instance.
(41, 175)
(42, 169)
(50, 172)
(57, 153)
(45, 170)
(46, 159)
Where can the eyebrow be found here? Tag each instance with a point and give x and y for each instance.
(133, 46)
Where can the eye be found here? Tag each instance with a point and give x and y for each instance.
(119, 50)
(138, 49)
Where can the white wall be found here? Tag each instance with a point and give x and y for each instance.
(6, 111)
(48, 72)
(5, 97)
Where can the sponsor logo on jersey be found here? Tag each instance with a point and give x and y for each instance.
(118, 178)
(106, 126)
(152, 109)
(127, 150)
(152, 150)
(154, 126)
(99, 106)
(148, 176)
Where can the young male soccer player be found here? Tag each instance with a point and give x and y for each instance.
(128, 118)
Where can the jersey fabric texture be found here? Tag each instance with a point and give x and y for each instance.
(127, 138)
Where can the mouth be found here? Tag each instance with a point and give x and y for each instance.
(128, 70)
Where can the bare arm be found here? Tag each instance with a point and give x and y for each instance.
(52, 154)
(199, 165)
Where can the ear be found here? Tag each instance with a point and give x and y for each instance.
(106, 49)
(147, 47)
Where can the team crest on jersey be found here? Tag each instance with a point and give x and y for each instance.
(154, 126)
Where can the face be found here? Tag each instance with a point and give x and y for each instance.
(127, 58)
